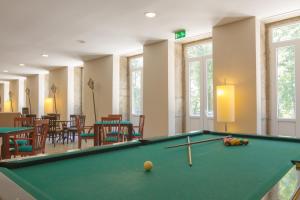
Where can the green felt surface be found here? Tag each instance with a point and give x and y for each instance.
(123, 122)
(8, 130)
(218, 172)
(87, 134)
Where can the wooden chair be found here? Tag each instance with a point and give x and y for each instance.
(36, 143)
(73, 128)
(32, 117)
(111, 130)
(56, 115)
(53, 128)
(21, 122)
(123, 130)
(81, 131)
(138, 131)
(116, 115)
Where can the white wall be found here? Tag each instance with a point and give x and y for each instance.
(105, 73)
(59, 77)
(70, 89)
(235, 59)
(159, 92)
(32, 83)
(41, 93)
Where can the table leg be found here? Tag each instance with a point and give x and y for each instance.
(130, 130)
(1, 154)
(5, 147)
(96, 137)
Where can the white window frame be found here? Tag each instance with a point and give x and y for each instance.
(201, 60)
(208, 115)
(131, 70)
(204, 120)
(275, 120)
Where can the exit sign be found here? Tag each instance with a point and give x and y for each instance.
(180, 34)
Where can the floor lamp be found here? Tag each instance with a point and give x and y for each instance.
(27, 91)
(53, 90)
(225, 104)
(10, 99)
(92, 86)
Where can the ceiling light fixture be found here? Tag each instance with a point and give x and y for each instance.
(5, 71)
(22, 64)
(81, 41)
(150, 14)
(45, 55)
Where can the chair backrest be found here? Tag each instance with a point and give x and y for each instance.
(73, 120)
(32, 117)
(141, 124)
(79, 124)
(57, 116)
(41, 128)
(109, 125)
(23, 122)
(116, 115)
(52, 123)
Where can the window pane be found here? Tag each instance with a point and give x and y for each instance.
(287, 32)
(210, 86)
(199, 50)
(136, 92)
(194, 76)
(286, 93)
(136, 65)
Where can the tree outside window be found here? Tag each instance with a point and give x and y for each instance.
(136, 66)
(286, 88)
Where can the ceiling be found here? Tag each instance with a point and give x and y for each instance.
(30, 28)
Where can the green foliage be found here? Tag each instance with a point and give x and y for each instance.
(136, 65)
(194, 74)
(199, 50)
(210, 87)
(286, 89)
(287, 32)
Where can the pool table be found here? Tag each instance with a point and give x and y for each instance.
(116, 171)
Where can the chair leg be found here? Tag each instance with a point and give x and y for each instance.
(79, 142)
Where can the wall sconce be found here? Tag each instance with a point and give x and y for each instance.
(48, 105)
(10, 94)
(7, 107)
(27, 91)
(91, 85)
(53, 90)
(225, 104)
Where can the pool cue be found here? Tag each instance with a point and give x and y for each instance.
(189, 152)
(198, 142)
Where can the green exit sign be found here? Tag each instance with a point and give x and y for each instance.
(180, 34)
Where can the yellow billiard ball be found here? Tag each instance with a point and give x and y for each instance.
(148, 165)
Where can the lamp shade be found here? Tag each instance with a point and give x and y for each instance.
(225, 103)
(48, 106)
(7, 107)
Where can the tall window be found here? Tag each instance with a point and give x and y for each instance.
(286, 32)
(136, 74)
(200, 79)
(284, 39)
(286, 90)
(209, 87)
(194, 90)
(284, 85)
